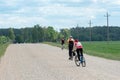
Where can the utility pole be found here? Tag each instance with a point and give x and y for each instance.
(107, 16)
(77, 25)
(90, 30)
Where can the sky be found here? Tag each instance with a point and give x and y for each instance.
(58, 13)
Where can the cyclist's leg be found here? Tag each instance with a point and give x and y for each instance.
(78, 53)
(61, 46)
(81, 52)
(70, 52)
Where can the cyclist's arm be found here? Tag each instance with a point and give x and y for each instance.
(68, 41)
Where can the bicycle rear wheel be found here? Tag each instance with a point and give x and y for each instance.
(83, 62)
(77, 62)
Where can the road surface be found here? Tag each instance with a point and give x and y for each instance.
(45, 62)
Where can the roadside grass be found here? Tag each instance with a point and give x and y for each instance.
(110, 50)
(103, 49)
(3, 48)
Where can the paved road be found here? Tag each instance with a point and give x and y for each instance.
(44, 62)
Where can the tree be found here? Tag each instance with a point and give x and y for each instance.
(40, 33)
(11, 34)
(50, 34)
(65, 33)
(19, 39)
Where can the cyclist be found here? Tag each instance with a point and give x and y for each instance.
(62, 42)
(79, 48)
(70, 47)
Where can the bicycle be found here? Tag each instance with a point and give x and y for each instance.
(62, 46)
(82, 60)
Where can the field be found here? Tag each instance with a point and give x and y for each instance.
(109, 50)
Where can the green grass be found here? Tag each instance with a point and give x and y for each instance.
(103, 49)
(109, 50)
(3, 48)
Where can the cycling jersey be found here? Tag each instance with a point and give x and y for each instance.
(78, 45)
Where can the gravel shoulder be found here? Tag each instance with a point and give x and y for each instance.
(45, 62)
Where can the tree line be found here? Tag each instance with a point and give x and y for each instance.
(96, 33)
(38, 33)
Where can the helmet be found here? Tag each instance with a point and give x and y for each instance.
(76, 40)
(70, 36)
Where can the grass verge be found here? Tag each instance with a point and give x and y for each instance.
(3, 48)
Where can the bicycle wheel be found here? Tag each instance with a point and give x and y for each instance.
(83, 62)
(77, 62)
(62, 47)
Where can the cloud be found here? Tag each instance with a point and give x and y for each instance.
(59, 10)
(10, 2)
(110, 2)
(116, 2)
(103, 1)
(69, 0)
(17, 21)
(94, 1)
(54, 12)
